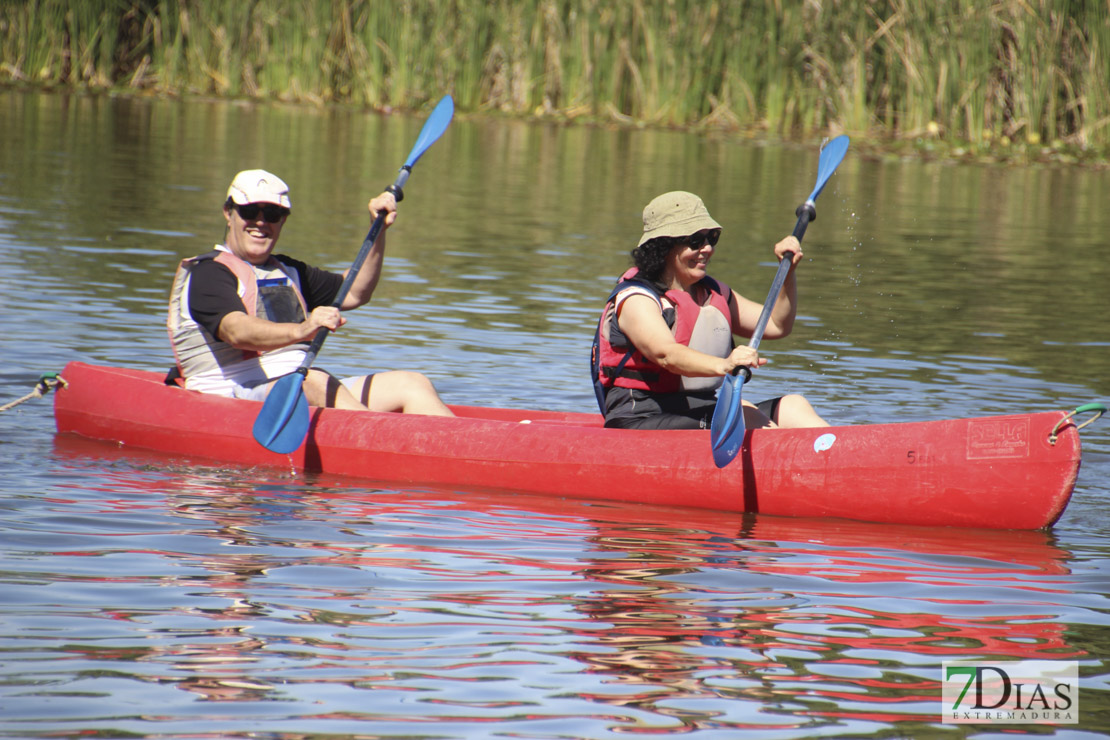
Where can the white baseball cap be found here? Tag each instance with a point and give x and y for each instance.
(259, 186)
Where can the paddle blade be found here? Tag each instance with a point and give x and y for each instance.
(831, 156)
(282, 423)
(727, 431)
(433, 129)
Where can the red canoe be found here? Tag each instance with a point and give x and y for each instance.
(1007, 472)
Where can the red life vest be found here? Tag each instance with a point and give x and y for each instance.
(617, 363)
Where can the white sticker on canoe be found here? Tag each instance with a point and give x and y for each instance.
(824, 442)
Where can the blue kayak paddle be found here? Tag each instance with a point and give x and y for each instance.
(282, 423)
(727, 430)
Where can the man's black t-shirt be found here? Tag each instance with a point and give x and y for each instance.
(214, 290)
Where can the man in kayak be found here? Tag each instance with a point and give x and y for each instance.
(665, 339)
(241, 317)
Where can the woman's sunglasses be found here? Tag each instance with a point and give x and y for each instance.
(270, 212)
(700, 239)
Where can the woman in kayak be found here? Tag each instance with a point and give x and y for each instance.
(665, 339)
(241, 317)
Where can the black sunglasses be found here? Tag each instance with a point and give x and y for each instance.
(270, 212)
(700, 239)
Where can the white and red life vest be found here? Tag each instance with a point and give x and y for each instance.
(702, 322)
(271, 291)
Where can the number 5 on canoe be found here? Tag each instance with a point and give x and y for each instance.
(282, 423)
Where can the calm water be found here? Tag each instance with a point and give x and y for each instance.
(143, 597)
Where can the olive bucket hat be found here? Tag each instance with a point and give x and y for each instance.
(677, 213)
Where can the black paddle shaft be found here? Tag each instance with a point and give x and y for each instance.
(352, 273)
(806, 212)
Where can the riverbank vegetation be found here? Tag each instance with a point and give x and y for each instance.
(981, 77)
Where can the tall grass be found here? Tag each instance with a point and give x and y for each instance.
(1014, 70)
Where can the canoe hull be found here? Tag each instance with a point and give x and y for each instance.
(997, 472)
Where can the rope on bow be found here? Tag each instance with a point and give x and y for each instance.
(47, 382)
(1092, 408)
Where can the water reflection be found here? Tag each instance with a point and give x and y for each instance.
(296, 597)
(829, 614)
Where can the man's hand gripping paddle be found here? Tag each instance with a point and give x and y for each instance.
(727, 430)
(282, 424)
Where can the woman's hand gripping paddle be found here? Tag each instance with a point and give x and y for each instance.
(282, 424)
(727, 430)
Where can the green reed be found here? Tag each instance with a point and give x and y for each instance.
(1023, 71)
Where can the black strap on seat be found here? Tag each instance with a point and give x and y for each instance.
(173, 375)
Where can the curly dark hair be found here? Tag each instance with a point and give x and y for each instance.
(651, 256)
